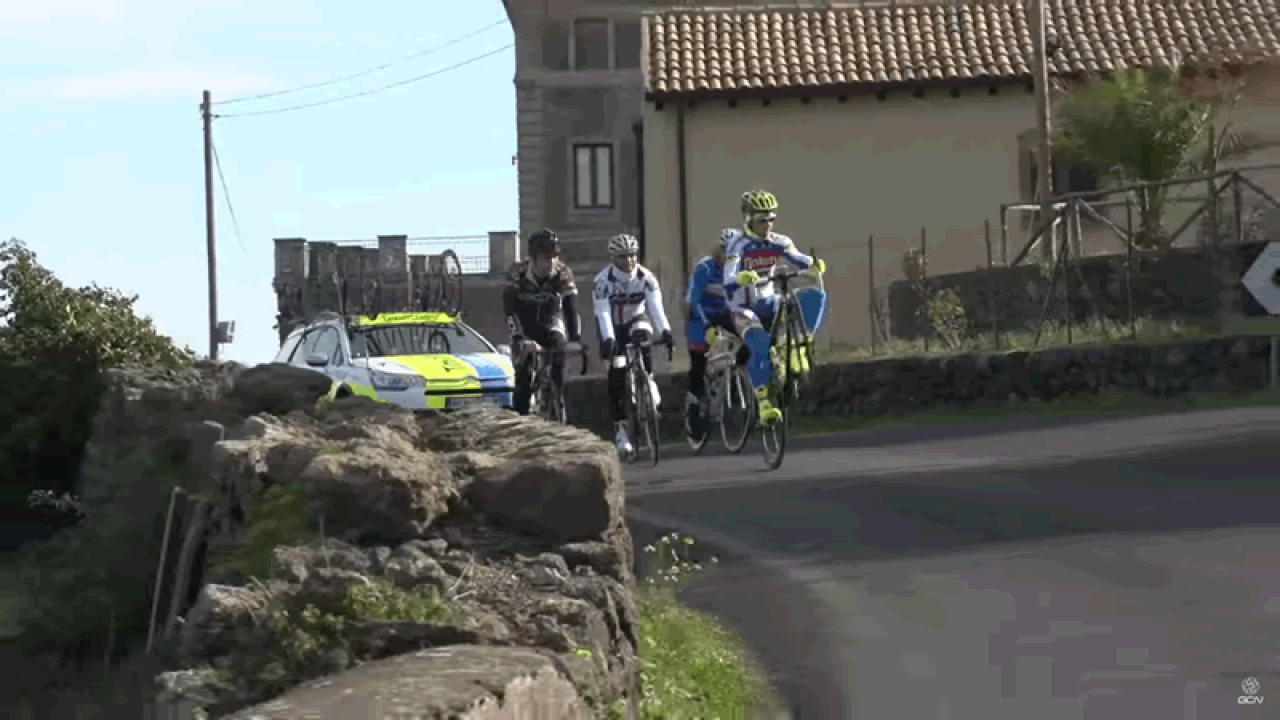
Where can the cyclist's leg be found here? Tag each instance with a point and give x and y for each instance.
(760, 366)
(618, 387)
(724, 321)
(813, 305)
(524, 381)
(555, 339)
(641, 331)
(696, 333)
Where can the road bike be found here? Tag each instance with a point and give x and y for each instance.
(729, 401)
(789, 337)
(642, 411)
(546, 397)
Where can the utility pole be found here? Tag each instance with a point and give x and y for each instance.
(1045, 183)
(206, 112)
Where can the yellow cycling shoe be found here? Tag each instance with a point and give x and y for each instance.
(768, 413)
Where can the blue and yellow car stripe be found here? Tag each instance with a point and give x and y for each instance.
(467, 375)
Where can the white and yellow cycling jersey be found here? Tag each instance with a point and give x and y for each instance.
(414, 360)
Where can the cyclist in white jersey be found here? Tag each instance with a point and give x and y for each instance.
(628, 304)
(751, 252)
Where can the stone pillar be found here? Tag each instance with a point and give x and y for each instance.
(322, 291)
(290, 283)
(393, 271)
(504, 249)
(349, 260)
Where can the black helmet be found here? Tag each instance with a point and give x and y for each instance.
(544, 242)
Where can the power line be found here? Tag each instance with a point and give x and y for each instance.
(370, 92)
(364, 72)
(217, 161)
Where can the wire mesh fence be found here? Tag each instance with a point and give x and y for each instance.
(472, 250)
(1141, 262)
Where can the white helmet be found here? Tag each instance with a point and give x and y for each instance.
(623, 245)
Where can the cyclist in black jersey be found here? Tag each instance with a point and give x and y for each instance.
(540, 304)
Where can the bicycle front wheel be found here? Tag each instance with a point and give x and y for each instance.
(646, 416)
(774, 435)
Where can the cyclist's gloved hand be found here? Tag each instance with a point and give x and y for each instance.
(747, 277)
(530, 347)
(818, 267)
(606, 349)
(667, 339)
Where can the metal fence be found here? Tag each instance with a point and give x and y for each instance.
(472, 250)
(1141, 260)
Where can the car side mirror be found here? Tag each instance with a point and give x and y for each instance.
(317, 359)
(505, 349)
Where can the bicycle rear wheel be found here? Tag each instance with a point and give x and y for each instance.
(737, 409)
(645, 415)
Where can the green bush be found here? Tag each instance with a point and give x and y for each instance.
(43, 317)
(55, 341)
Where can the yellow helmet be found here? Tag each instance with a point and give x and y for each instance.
(759, 201)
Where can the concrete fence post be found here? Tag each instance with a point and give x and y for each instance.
(504, 249)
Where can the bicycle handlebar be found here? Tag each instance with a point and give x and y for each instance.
(650, 343)
(776, 272)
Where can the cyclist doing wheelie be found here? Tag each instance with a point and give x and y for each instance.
(540, 303)
(628, 304)
(708, 308)
(751, 253)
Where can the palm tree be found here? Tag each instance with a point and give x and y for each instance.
(1145, 125)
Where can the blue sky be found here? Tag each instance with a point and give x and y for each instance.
(100, 137)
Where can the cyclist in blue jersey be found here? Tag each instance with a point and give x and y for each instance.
(751, 252)
(708, 308)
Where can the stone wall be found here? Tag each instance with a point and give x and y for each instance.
(474, 564)
(1179, 284)
(892, 386)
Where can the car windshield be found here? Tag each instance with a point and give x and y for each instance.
(417, 339)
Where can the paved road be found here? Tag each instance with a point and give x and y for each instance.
(1099, 570)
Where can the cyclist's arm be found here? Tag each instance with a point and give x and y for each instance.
(510, 297)
(603, 319)
(569, 306)
(697, 288)
(732, 264)
(795, 257)
(572, 323)
(653, 296)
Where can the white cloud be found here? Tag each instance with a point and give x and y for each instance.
(136, 83)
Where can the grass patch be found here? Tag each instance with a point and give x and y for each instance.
(691, 667)
(279, 517)
(313, 630)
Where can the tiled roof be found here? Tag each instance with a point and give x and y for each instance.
(731, 51)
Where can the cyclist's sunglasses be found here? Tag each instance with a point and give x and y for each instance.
(770, 217)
